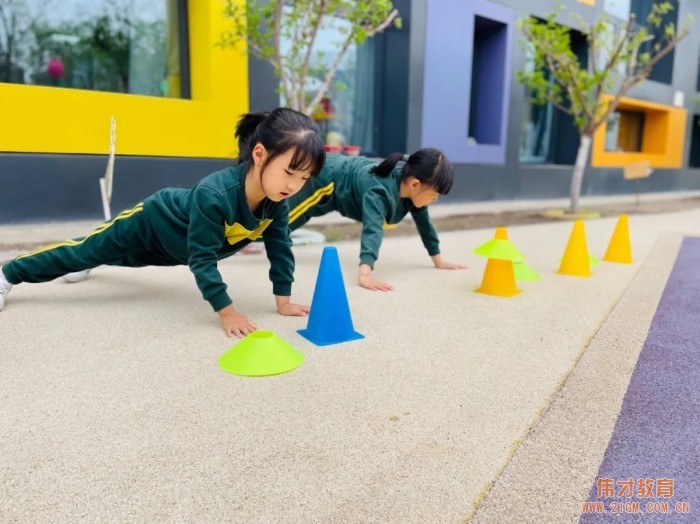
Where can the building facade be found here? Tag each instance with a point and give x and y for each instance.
(446, 79)
(152, 65)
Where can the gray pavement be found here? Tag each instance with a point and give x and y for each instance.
(114, 409)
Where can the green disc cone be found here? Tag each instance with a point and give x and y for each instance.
(260, 354)
(524, 273)
(500, 250)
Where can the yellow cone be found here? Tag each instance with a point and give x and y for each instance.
(499, 279)
(575, 261)
(619, 249)
(501, 233)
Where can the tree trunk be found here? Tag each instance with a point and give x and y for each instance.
(584, 149)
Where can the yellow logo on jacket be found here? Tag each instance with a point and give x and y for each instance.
(236, 232)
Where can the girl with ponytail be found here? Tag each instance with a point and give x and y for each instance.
(219, 216)
(375, 194)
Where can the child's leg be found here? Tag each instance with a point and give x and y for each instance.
(109, 243)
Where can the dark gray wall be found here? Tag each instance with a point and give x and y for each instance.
(391, 83)
(518, 180)
(36, 188)
(261, 85)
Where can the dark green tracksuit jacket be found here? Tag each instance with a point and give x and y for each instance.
(346, 185)
(196, 227)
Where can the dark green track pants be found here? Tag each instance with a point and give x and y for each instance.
(124, 241)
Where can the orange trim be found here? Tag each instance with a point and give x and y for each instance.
(662, 141)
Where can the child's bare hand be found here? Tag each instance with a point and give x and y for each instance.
(450, 265)
(234, 323)
(288, 309)
(367, 282)
(442, 264)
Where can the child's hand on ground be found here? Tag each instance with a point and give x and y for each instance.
(286, 308)
(234, 323)
(442, 264)
(366, 281)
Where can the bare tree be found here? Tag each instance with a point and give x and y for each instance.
(263, 25)
(619, 59)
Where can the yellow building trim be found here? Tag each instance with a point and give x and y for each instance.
(662, 140)
(38, 119)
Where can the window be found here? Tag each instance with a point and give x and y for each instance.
(694, 160)
(548, 134)
(337, 113)
(466, 80)
(663, 71)
(121, 46)
(488, 77)
(625, 131)
(641, 131)
(536, 132)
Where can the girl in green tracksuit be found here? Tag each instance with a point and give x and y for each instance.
(216, 218)
(375, 194)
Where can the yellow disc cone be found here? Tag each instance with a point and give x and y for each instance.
(499, 279)
(619, 249)
(260, 354)
(575, 261)
(501, 233)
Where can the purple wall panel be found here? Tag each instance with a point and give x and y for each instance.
(448, 76)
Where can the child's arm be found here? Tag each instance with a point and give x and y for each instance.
(278, 246)
(429, 236)
(374, 211)
(205, 237)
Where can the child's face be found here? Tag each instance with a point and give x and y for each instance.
(278, 180)
(420, 195)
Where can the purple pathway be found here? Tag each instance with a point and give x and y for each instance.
(656, 441)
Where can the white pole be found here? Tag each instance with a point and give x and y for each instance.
(106, 182)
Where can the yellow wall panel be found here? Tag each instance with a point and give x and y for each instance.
(36, 119)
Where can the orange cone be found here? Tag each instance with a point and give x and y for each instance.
(619, 249)
(501, 233)
(575, 261)
(499, 279)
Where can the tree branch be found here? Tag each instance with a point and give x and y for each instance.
(612, 60)
(670, 46)
(381, 27)
(279, 4)
(310, 46)
(592, 50)
(330, 74)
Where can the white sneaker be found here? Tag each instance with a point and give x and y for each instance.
(77, 276)
(5, 288)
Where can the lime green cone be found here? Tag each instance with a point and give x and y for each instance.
(260, 354)
(500, 250)
(524, 273)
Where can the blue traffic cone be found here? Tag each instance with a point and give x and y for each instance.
(329, 319)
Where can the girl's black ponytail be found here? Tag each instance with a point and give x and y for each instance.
(387, 166)
(428, 165)
(278, 131)
(245, 129)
